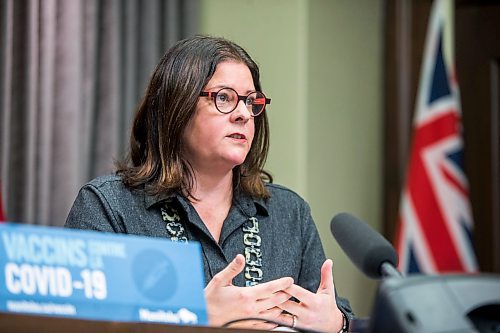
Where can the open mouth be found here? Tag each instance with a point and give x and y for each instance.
(237, 136)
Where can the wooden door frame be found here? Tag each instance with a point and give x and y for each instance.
(405, 29)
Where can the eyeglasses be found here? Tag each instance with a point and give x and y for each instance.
(227, 99)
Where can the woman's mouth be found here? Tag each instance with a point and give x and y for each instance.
(237, 136)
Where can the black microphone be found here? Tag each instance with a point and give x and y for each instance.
(417, 303)
(367, 249)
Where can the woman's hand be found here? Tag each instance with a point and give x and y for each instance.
(317, 311)
(226, 302)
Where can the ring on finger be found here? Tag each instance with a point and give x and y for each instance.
(294, 321)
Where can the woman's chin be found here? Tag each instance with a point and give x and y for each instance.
(236, 159)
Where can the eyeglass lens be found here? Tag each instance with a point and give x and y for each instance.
(227, 100)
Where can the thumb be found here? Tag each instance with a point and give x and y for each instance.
(226, 276)
(326, 284)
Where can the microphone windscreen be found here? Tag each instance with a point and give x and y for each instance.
(366, 248)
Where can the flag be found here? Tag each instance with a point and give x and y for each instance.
(435, 220)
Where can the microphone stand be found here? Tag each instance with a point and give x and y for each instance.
(387, 270)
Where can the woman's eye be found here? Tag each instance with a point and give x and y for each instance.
(222, 98)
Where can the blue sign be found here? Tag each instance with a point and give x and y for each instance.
(100, 276)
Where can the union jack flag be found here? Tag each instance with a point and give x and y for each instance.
(435, 220)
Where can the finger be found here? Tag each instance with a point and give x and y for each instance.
(326, 284)
(299, 293)
(277, 315)
(271, 313)
(265, 326)
(273, 300)
(226, 276)
(292, 307)
(254, 324)
(263, 290)
(286, 319)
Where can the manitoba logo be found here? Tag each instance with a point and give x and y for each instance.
(183, 316)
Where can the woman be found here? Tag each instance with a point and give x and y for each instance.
(195, 172)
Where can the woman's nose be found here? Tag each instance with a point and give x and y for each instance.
(241, 112)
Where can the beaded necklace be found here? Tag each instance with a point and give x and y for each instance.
(251, 240)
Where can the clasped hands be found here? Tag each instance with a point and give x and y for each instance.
(272, 301)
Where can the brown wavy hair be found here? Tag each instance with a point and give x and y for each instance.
(155, 162)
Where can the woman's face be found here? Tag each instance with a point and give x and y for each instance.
(218, 142)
